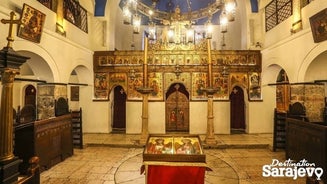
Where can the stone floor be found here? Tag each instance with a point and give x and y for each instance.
(117, 158)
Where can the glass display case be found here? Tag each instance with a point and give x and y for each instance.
(176, 148)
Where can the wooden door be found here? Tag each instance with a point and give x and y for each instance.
(119, 116)
(237, 109)
(177, 109)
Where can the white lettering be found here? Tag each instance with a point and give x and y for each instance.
(301, 172)
(274, 162)
(319, 171)
(275, 172)
(266, 171)
(290, 169)
(310, 171)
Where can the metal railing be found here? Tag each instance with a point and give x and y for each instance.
(276, 12)
(73, 12)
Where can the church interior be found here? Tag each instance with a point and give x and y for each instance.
(129, 91)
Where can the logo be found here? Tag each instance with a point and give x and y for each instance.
(288, 168)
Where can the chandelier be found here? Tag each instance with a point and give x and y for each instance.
(177, 26)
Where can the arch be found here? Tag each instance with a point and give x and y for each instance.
(314, 53)
(83, 75)
(28, 48)
(317, 68)
(38, 66)
(30, 95)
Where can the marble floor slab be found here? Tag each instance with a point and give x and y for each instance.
(117, 159)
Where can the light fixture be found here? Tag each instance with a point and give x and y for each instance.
(190, 35)
(223, 22)
(136, 23)
(230, 7)
(127, 15)
(179, 23)
(171, 34)
(209, 29)
(152, 31)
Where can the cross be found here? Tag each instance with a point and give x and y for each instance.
(11, 22)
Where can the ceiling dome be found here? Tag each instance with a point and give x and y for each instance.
(198, 11)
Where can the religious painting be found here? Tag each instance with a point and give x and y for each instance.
(199, 82)
(187, 145)
(180, 59)
(196, 59)
(157, 59)
(188, 59)
(240, 79)
(254, 86)
(173, 60)
(106, 60)
(32, 24)
(318, 24)
(101, 86)
(220, 82)
(172, 145)
(155, 82)
(177, 108)
(74, 93)
(184, 78)
(133, 84)
(159, 145)
(165, 59)
(117, 79)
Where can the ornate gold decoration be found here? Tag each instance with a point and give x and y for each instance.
(11, 23)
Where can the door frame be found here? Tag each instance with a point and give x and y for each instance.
(112, 95)
(246, 105)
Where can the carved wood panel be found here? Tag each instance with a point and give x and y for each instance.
(177, 111)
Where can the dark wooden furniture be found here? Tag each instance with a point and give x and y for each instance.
(49, 139)
(33, 172)
(307, 140)
(279, 130)
(77, 128)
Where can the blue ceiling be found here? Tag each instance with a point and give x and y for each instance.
(170, 5)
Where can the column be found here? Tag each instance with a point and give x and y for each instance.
(210, 136)
(145, 91)
(6, 115)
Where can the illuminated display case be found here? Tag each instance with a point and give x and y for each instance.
(177, 148)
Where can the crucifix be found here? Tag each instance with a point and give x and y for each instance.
(11, 22)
